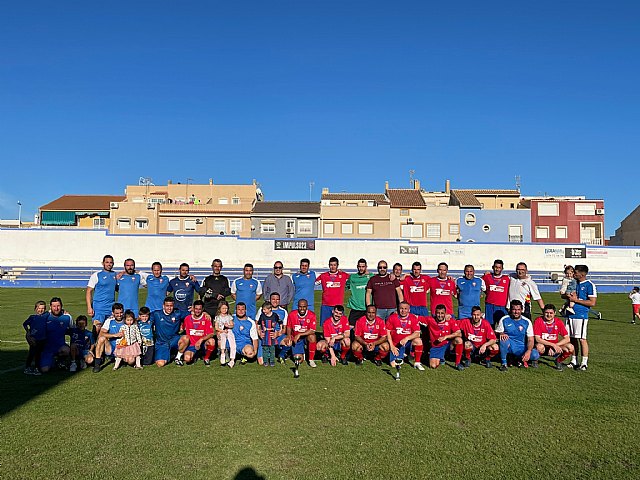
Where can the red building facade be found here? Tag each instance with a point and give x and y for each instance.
(572, 220)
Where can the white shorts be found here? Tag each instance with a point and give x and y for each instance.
(577, 327)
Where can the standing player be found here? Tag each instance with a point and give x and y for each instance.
(516, 337)
(383, 291)
(480, 340)
(547, 331)
(198, 338)
(357, 285)
(635, 304)
(167, 323)
(584, 298)
(442, 289)
(214, 288)
(333, 283)
(370, 338)
(469, 290)
(102, 287)
(403, 333)
(304, 283)
(183, 287)
(56, 325)
(523, 288)
(445, 335)
(108, 335)
(245, 333)
(247, 290)
(157, 287)
(414, 289)
(129, 283)
(301, 327)
(497, 293)
(336, 337)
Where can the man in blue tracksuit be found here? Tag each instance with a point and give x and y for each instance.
(516, 337)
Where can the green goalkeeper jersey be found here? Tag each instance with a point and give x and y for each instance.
(357, 285)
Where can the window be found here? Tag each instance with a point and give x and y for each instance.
(142, 224)
(515, 234)
(433, 230)
(585, 208)
(190, 225)
(404, 212)
(470, 219)
(351, 204)
(173, 225)
(371, 203)
(548, 209)
(235, 226)
(346, 228)
(562, 232)
(99, 222)
(542, 232)
(219, 226)
(328, 228)
(223, 201)
(290, 226)
(267, 227)
(411, 231)
(305, 227)
(486, 228)
(365, 228)
(124, 223)
(454, 229)
(235, 201)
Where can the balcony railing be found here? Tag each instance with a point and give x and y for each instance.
(591, 241)
(516, 238)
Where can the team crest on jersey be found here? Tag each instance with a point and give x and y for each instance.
(520, 327)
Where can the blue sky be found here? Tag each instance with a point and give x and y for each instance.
(345, 94)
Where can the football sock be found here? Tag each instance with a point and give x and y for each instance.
(179, 356)
(467, 353)
(208, 351)
(343, 352)
(358, 354)
(574, 359)
(138, 361)
(417, 351)
(564, 356)
(491, 353)
(381, 354)
(585, 360)
(458, 347)
(312, 350)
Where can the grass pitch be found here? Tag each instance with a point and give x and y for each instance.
(341, 422)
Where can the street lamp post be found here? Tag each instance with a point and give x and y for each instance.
(19, 213)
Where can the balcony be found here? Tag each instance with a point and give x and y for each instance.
(592, 241)
(516, 239)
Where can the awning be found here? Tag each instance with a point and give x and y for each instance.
(58, 218)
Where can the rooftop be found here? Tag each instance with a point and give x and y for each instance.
(83, 202)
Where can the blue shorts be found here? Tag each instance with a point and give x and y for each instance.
(401, 351)
(192, 348)
(279, 338)
(298, 347)
(420, 311)
(163, 349)
(517, 351)
(47, 359)
(439, 352)
(240, 346)
(493, 313)
(101, 316)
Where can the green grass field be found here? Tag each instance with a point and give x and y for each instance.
(342, 422)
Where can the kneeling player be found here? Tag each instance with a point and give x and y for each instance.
(336, 331)
(167, 324)
(198, 338)
(81, 344)
(479, 339)
(301, 327)
(547, 331)
(445, 334)
(370, 338)
(516, 337)
(245, 333)
(403, 333)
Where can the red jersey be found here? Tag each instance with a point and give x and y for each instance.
(330, 329)
(497, 289)
(441, 329)
(441, 292)
(196, 329)
(400, 328)
(415, 290)
(477, 335)
(549, 331)
(300, 324)
(333, 287)
(370, 332)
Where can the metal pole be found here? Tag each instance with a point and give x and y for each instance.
(19, 213)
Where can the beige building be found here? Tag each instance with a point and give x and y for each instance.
(628, 234)
(486, 199)
(185, 209)
(354, 215)
(78, 211)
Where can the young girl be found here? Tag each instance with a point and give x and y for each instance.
(569, 285)
(128, 346)
(35, 327)
(224, 324)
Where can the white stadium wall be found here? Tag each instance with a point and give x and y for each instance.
(35, 247)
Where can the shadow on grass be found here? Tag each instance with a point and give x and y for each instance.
(16, 388)
(249, 473)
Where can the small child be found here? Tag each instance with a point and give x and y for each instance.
(81, 344)
(145, 324)
(635, 303)
(223, 323)
(268, 328)
(128, 346)
(568, 286)
(35, 328)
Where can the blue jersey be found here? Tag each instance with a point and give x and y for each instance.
(584, 290)
(146, 330)
(518, 330)
(56, 328)
(246, 291)
(469, 295)
(80, 337)
(128, 287)
(37, 325)
(104, 291)
(183, 290)
(167, 326)
(305, 287)
(157, 288)
(244, 331)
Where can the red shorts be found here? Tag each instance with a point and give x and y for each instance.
(636, 308)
